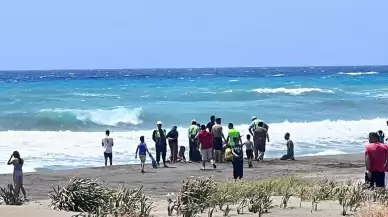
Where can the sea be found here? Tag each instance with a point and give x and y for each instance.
(57, 118)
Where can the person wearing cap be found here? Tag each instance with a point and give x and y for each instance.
(191, 134)
(159, 137)
(255, 124)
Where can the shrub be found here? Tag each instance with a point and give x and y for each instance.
(95, 198)
(9, 197)
(373, 210)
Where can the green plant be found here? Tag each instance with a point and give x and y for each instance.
(9, 197)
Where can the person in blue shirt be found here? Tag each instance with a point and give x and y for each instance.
(142, 150)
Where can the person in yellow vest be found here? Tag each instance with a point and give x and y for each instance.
(233, 133)
(159, 137)
(191, 134)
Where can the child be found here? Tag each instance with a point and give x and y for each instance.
(142, 150)
(228, 153)
(181, 154)
(249, 150)
(238, 159)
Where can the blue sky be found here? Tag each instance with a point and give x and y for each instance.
(90, 34)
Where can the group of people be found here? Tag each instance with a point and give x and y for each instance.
(207, 143)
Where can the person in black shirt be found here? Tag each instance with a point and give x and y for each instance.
(172, 138)
(238, 159)
(211, 123)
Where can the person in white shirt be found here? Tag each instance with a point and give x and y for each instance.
(107, 143)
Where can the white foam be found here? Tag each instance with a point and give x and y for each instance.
(234, 80)
(278, 75)
(75, 149)
(94, 95)
(291, 91)
(357, 73)
(106, 117)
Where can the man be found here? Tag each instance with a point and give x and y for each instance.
(233, 133)
(205, 144)
(159, 137)
(172, 138)
(376, 155)
(290, 148)
(211, 123)
(191, 134)
(255, 124)
(218, 138)
(260, 136)
(107, 143)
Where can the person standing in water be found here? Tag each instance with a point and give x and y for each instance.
(191, 134)
(17, 163)
(260, 138)
(107, 143)
(172, 138)
(159, 137)
(218, 138)
(249, 150)
(233, 133)
(238, 159)
(205, 144)
(142, 150)
(290, 148)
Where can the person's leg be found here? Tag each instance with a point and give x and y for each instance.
(16, 184)
(110, 158)
(284, 157)
(164, 152)
(106, 159)
(175, 152)
(171, 151)
(256, 147)
(210, 157)
(191, 151)
(379, 178)
(241, 169)
(235, 170)
(157, 150)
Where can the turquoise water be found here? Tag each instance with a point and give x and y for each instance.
(53, 117)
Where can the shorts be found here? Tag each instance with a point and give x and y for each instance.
(249, 153)
(377, 179)
(107, 155)
(217, 143)
(142, 158)
(207, 154)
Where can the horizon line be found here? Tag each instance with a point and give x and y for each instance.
(158, 68)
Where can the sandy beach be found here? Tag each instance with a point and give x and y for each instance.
(157, 183)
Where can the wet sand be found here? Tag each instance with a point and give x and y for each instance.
(157, 183)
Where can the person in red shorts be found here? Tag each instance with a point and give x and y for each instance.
(376, 156)
(205, 143)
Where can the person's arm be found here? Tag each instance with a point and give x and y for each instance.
(227, 140)
(367, 159)
(234, 154)
(266, 133)
(145, 145)
(112, 142)
(239, 138)
(153, 136)
(102, 143)
(10, 160)
(250, 128)
(137, 150)
(177, 135)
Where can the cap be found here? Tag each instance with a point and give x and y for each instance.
(254, 117)
(193, 121)
(158, 123)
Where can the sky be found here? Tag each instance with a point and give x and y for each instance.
(100, 34)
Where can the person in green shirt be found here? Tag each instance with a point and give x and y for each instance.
(233, 133)
(192, 133)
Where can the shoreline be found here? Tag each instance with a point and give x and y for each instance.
(159, 182)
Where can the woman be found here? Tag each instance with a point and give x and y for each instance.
(238, 160)
(172, 137)
(17, 163)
